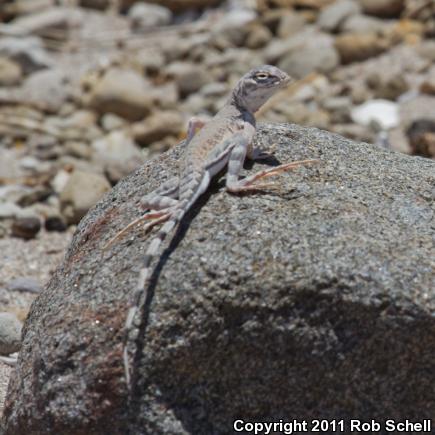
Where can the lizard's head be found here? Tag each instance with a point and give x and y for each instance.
(258, 85)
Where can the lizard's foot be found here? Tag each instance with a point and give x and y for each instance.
(249, 184)
(158, 216)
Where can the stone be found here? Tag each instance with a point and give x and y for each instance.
(150, 59)
(24, 285)
(183, 5)
(157, 127)
(117, 154)
(49, 89)
(10, 72)
(421, 134)
(387, 85)
(81, 192)
(28, 52)
(383, 8)
(258, 37)
(189, 77)
(10, 333)
(354, 47)
(360, 23)
(315, 55)
(331, 275)
(428, 85)
(110, 121)
(290, 24)
(331, 17)
(9, 210)
(55, 223)
(145, 16)
(416, 108)
(123, 92)
(382, 113)
(48, 20)
(26, 227)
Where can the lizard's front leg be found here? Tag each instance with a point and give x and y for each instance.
(235, 164)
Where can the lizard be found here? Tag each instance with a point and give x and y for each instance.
(224, 141)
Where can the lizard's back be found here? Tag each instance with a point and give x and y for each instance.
(208, 143)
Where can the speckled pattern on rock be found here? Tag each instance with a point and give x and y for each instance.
(315, 302)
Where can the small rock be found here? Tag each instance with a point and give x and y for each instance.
(49, 88)
(217, 89)
(10, 333)
(117, 154)
(53, 18)
(55, 223)
(363, 24)
(150, 60)
(146, 15)
(332, 16)
(9, 210)
(383, 8)
(28, 52)
(27, 285)
(258, 36)
(81, 192)
(383, 113)
(123, 92)
(189, 77)
(386, 85)
(316, 54)
(81, 150)
(26, 227)
(110, 121)
(157, 126)
(10, 72)
(421, 136)
(428, 85)
(358, 46)
(417, 108)
(290, 24)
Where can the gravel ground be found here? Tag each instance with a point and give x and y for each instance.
(37, 259)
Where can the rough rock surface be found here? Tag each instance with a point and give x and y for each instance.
(316, 301)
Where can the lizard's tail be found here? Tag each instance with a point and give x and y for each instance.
(140, 294)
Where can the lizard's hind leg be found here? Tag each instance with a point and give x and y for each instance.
(161, 201)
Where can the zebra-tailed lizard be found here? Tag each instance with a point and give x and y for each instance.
(226, 140)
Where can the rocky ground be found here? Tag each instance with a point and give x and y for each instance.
(91, 89)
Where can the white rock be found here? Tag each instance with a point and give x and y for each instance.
(383, 112)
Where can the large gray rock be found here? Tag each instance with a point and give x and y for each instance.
(316, 301)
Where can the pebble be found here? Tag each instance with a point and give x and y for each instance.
(29, 285)
(146, 15)
(188, 77)
(80, 193)
(157, 126)
(117, 154)
(10, 333)
(26, 227)
(332, 16)
(123, 92)
(384, 113)
(28, 52)
(10, 72)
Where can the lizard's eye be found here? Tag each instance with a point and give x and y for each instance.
(262, 76)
